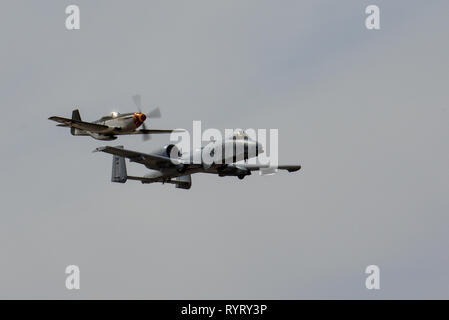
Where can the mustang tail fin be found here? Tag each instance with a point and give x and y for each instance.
(119, 169)
(75, 116)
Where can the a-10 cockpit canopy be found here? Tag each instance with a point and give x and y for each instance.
(239, 134)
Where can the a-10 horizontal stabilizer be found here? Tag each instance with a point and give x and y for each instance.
(119, 169)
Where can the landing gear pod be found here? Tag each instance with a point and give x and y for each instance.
(183, 182)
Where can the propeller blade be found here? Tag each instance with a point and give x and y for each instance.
(146, 136)
(156, 113)
(138, 101)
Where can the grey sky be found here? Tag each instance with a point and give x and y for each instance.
(365, 112)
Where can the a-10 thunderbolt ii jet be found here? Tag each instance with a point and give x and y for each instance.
(109, 127)
(169, 165)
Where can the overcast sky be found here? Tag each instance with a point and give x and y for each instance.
(365, 113)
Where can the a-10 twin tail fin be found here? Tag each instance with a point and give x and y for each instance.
(119, 169)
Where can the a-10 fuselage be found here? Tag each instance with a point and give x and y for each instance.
(223, 152)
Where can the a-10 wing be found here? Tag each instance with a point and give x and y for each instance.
(151, 161)
(157, 162)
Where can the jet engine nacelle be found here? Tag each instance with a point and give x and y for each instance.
(170, 151)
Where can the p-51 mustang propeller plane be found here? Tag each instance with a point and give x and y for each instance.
(109, 127)
(169, 165)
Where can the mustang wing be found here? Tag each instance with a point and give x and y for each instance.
(87, 126)
(151, 161)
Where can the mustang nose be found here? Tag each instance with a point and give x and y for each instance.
(139, 118)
